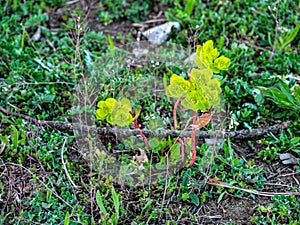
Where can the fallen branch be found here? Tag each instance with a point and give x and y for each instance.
(159, 132)
(216, 182)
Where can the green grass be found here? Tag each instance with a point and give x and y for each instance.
(49, 177)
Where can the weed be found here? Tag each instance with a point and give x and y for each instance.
(38, 77)
(284, 210)
(102, 202)
(131, 10)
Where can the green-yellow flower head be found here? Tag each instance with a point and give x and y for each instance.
(208, 57)
(201, 91)
(115, 112)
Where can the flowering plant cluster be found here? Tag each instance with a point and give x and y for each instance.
(199, 93)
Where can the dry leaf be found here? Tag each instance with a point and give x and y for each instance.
(142, 157)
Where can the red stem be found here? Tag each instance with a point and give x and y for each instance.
(194, 131)
(143, 136)
(137, 128)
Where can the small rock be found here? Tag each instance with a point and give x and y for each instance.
(288, 159)
(159, 34)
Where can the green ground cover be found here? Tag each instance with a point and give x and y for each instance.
(59, 59)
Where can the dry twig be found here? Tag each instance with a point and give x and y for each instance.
(216, 182)
(160, 132)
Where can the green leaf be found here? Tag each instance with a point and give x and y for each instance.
(297, 92)
(186, 177)
(185, 196)
(104, 108)
(209, 51)
(258, 97)
(38, 76)
(189, 7)
(114, 219)
(99, 202)
(154, 144)
(148, 204)
(170, 17)
(279, 98)
(289, 37)
(262, 208)
(178, 87)
(175, 153)
(208, 89)
(111, 44)
(115, 112)
(101, 113)
(219, 157)
(67, 219)
(48, 194)
(115, 200)
(126, 104)
(230, 151)
(47, 98)
(221, 63)
(286, 90)
(221, 196)
(46, 205)
(196, 100)
(200, 64)
(207, 57)
(162, 164)
(14, 136)
(200, 78)
(121, 113)
(4, 139)
(110, 102)
(194, 199)
(295, 140)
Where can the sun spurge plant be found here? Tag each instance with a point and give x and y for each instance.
(201, 91)
(119, 113)
(115, 112)
(208, 57)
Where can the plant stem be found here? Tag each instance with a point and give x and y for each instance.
(276, 30)
(194, 131)
(181, 149)
(175, 126)
(137, 128)
(175, 111)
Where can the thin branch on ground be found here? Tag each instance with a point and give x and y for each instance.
(65, 167)
(160, 132)
(215, 182)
